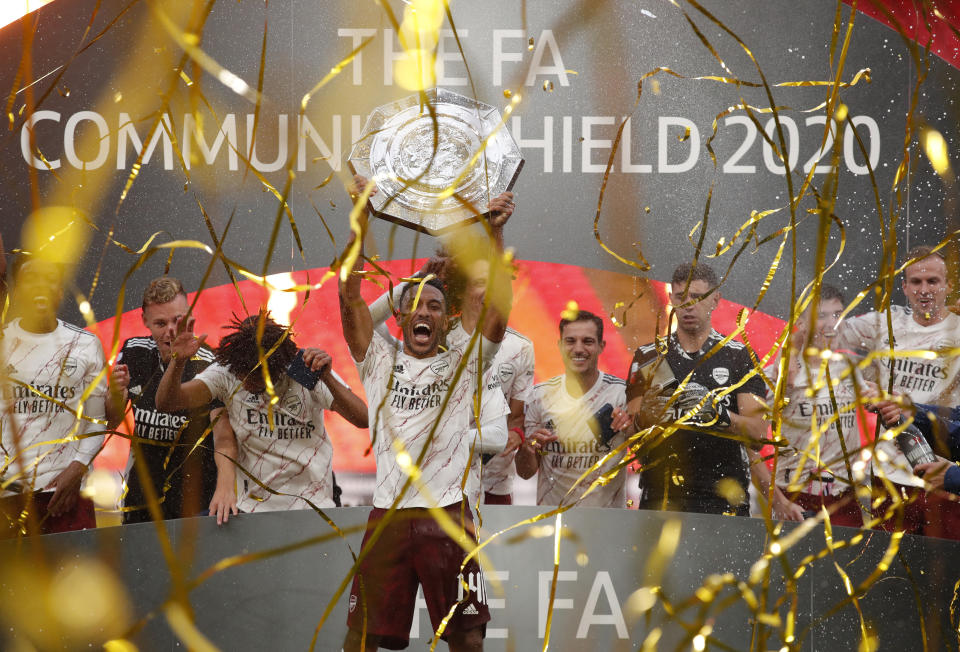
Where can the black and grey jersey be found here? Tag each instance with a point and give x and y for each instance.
(183, 474)
(689, 463)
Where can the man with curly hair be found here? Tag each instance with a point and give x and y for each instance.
(281, 447)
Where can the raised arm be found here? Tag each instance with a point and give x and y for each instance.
(499, 288)
(117, 397)
(172, 395)
(354, 313)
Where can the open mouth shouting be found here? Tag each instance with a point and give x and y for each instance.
(422, 333)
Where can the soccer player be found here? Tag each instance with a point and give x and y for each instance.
(924, 324)
(51, 371)
(182, 474)
(512, 369)
(465, 276)
(692, 468)
(573, 421)
(815, 471)
(282, 448)
(421, 414)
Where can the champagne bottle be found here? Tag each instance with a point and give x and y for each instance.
(914, 447)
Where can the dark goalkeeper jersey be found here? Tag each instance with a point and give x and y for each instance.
(688, 465)
(184, 477)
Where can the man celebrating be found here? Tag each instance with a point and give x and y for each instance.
(573, 421)
(926, 324)
(50, 374)
(282, 445)
(421, 413)
(511, 371)
(182, 474)
(814, 471)
(699, 467)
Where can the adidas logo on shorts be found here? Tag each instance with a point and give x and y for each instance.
(470, 610)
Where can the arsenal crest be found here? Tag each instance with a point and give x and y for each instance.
(721, 375)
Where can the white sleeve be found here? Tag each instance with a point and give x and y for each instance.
(493, 436)
(380, 309)
(218, 380)
(94, 407)
(523, 382)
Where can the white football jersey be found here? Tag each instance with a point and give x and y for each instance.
(290, 452)
(935, 381)
(61, 365)
(804, 415)
(577, 448)
(416, 408)
(512, 372)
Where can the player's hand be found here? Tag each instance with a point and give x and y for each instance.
(223, 504)
(185, 345)
(318, 360)
(783, 509)
(119, 378)
(514, 441)
(621, 420)
(501, 208)
(540, 438)
(708, 411)
(66, 489)
(358, 185)
(933, 473)
(652, 409)
(439, 265)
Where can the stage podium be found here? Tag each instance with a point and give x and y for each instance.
(276, 601)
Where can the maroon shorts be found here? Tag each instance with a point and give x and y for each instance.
(81, 517)
(497, 499)
(413, 549)
(934, 514)
(844, 508)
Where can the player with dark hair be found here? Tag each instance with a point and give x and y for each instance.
(693, 380)
(819, 421)
(49, 428)
(421, 403)
(280, 444)
(182, 473)
(925, 324)
(573, 421)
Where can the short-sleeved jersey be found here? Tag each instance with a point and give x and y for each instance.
(579, 444)
(935, 382)
(288, 451)
(167, 440)
(410, 410)
(689, 464)
(812, 411)
(512, 372)
(45, 376)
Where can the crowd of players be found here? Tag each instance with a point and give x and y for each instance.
(454, 415)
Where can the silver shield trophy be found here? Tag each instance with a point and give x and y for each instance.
(437, 161)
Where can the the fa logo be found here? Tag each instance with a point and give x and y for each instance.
(721, 375)
(353, 603)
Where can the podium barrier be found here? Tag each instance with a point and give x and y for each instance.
(605, 556)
